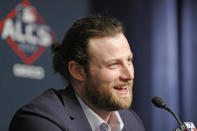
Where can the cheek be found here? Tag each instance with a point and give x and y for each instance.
(108, 76)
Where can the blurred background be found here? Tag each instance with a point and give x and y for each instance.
(162, 35)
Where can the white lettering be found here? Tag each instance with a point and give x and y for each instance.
(18, 34)
(8, 29)
(44, 36)
(33, 34)
(28, 71)
(30, 28)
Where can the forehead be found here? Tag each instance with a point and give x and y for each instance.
(111, 47)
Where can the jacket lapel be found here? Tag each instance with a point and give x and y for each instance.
(76, 116)
(122, 115)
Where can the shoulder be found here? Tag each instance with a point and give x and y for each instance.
(131, 120)
(47, 110)
(48, 104)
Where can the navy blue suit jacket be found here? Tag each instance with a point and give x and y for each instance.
(60, 111)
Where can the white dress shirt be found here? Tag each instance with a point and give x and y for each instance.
(115, 122)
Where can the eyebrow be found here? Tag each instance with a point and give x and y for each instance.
(117, 59)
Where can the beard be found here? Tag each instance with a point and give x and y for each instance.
(103, 96)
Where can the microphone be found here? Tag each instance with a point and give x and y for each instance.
(182, 126)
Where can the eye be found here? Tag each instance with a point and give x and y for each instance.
(113, 65)
(130, 61)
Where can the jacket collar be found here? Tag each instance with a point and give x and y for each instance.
(75, 112)
(77, 118)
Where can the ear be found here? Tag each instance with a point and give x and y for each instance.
(76, 70)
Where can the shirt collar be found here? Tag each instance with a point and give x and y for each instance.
(95, 121)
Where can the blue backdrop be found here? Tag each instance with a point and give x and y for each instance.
(162, 35)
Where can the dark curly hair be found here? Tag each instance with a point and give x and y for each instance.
(75, 43)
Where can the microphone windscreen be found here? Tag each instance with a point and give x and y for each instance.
(158, 102)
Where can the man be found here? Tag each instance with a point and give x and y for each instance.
(96, 60)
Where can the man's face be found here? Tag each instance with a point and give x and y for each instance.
(110, 76)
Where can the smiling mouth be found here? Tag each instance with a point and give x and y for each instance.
(122, 90)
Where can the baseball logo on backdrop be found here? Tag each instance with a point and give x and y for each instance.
(25, 31)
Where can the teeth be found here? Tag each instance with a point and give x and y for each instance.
(122, 87)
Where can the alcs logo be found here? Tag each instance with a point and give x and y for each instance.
(26, 33)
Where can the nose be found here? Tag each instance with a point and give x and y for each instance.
(127, 72)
